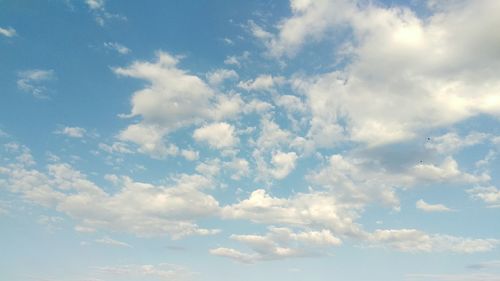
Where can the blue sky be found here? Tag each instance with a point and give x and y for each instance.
(242, 140)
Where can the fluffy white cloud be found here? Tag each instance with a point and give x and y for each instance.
(190, 155)
(280, 243)
(283, 164)
(451, 142)
(262, 83)
(8, 32)
(490, 195)
(73, 132)
(409, 75)
(217, 135)
(138, 208)
(307, 210)
(172, 99)
(32, 81)
(366, 180)
(220, 75)
(239, 168)
(426, 207)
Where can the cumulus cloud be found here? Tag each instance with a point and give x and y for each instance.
(280, 243)
(138, 208)
(409, 75)
(32, 81)
(488, 194)
(72, 132)
(365, 180)
(217, 135)
(220, 75)
(426, 207)
(262, 83)
(283, 164)
(172, 99)
(452, 142)
(306, 210)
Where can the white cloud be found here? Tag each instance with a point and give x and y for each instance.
(32, 81)
(433, 73)
(239, 168)
(366, 180)
(309, 21)
(190, 155)
(452, 142)
(217, 135)
(237, 60)
(121, 49)
(115, 147)
(411, 240)
(262, 83)
(426, 207)
(101, 15)
(137, 208)
(280, 243)
(112, 242)
(306, 210)
(8, 32)
(171, 99)
(489, 195)
(95, 4)
(73, 132)
(209, 168)
(220, 75)
(283, 164)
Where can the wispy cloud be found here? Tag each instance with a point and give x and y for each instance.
(8, 32)
(32, 81)
(101, 15)
(112, 242)
(121, 49)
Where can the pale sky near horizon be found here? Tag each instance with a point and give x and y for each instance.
(301, 140)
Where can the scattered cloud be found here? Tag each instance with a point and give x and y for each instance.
(217, 135)
(112, 242)
(32, 81)
(121, 49)
(173, 99)
(8, 32)
(411, 240)
(72, 132)
(220, 75)
(488, 194)
(262, 83)
(280, 243)
(426, 207)
(101, 15)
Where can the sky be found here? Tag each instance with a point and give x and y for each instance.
(301, 140)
